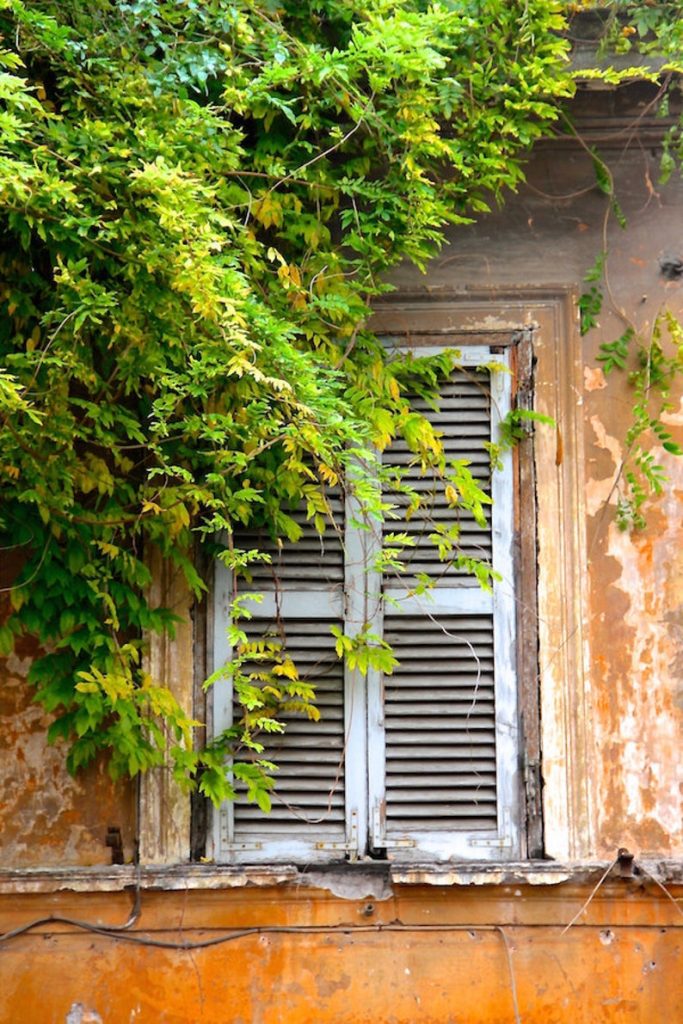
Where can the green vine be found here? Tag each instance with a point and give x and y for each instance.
(653, 363)
(198, 203)
(659, 364)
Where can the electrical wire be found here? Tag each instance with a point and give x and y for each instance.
(584, 906)
(119, 933)
(241, 933)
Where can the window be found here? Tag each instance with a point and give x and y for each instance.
(422, 764)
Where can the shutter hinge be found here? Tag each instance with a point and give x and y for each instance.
(379, 836)
(352, 837)
(377, 824)
(503, 841)
(494, 844)
(532, 787)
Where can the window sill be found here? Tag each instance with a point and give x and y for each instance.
(351, 881)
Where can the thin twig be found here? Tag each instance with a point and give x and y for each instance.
(661, 885)
(585, 905)
(329, 150)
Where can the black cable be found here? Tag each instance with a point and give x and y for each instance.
(346, 929)
(242, 933)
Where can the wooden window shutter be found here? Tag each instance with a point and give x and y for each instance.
(421, 764)
(303, 596)
(443, 728)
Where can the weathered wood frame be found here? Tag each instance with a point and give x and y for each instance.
(564, 741)
(163, 807)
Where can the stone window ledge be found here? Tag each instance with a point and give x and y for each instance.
(352, 881)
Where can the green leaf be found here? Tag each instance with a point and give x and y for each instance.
(6, 641)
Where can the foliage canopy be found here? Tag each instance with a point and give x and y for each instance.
(198, 203)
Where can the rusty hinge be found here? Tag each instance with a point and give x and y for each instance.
(532, 788)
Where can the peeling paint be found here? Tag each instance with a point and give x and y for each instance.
(350, 885)
(641, 728)
(80, 1014)
(46, 815)
(599, 491)
(673, 418)
(594, 378)
(288, 878)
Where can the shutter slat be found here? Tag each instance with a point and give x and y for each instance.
(464, 738)
(477, 767)
(461, 712)
(449, 781)
(452, 817)
(315, 560)
(434, 665)
(284, 830)
(441, 693)
(455, 801)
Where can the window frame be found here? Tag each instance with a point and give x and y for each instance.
(367, 831)
(556, 695)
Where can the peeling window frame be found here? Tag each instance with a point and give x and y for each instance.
(560, 754)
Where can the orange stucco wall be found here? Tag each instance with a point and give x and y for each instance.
(47, 817)
(438, 962)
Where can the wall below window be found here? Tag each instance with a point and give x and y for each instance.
(437, 961)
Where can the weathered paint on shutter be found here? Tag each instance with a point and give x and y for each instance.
(428, 755)
(309, 791)
(442, 728)
(440, 724)
(303, 596)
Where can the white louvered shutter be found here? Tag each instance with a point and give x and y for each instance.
(312, 817)
(443, 728)
(422, 763)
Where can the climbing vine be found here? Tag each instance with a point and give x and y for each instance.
(198, 204)
(653, 360)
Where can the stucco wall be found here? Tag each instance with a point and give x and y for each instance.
(47, 817)
(440, 960)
